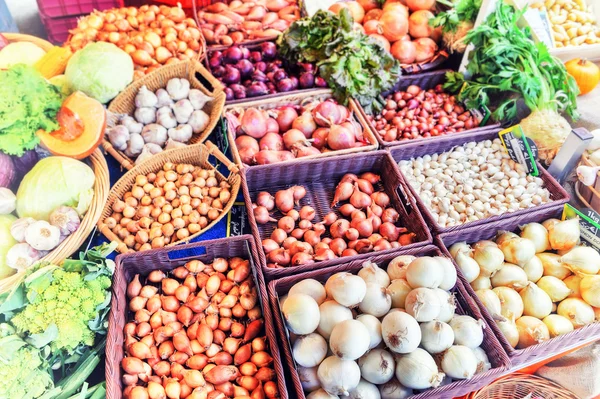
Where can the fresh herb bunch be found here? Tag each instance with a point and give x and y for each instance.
(506, 63)
(353, 64)
(457, 12)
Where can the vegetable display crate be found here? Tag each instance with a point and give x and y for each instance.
(320, 177)
(298, 98)
(534, 353)
(588, 195)
(558, 195)
(519, 386)
(426, 81)
(197, 155)
(199, 77)
(127, 266)
(465, 306)
(423, 67)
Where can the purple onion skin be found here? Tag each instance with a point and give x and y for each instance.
(258, 76)
(245, 53)
(269, 50)
(219, 71)
(214, 62)
(228, 94)
(294, 82)
(255, 56)
(279, 75)
(308, 67)
(245, 67)
(320, 82)
(7, 170)
(257, 89)
(231, 75)
(307, 80)
(239, 91)
(232, 55)
(285, 85)
(261, 66)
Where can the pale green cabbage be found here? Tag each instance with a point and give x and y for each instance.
(54, 181)
(6, 243)
(100, 70)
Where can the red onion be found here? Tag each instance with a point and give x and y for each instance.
(343, 191)
(254, 123)
(284, 200)
(390, 215)
(339, 227)
(271, 141)
(278, 236)
(306, 124)
(360, 200)
(340, 138)
(285, 118)
(265, 199)
(292, 137)
(371, 177)
(338, 245)
(307, 213)
(286, 224)
(324, 254)
(279, 257)
(261, 214)
(269, 245)
(302, 258)
(381, 199)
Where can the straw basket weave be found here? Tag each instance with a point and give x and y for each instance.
(196, 155)
(199, 77)
(18, 37)
(518, 386)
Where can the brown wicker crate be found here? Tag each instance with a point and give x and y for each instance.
(195, 155)
(535, 353)
(124, 103)
(415, 149)
(465, 305)
(168, 259)
(320, 177)
(299, 97)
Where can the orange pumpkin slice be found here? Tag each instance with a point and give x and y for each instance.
(82, 121)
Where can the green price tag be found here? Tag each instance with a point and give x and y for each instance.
(589, 223)
(520, 148)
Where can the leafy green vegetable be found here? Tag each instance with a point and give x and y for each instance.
(506, 65)
(27, 103)
(459, 11)
(353, 64)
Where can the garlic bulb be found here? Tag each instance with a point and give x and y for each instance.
(373, 326)
(467, 331)
(483, 362)
(426, 272)
(397, 267)
(518, 250)
(538, 234)
(590, 290)
(372, 273)
(511, 304)
(8, 201)
(459, 362)
(584, 260)
(578, 312)
(310, 287)
(338, 376)
(377, 301)
(145, 98)
(364, 390)
(349, 340)
(468, 266)
(199, 99)
(490, 259)
(423, 304)
(310, 350)
(377, 366)
(564, 235)
(534, 269)
(532, 331)
(490, 300)
(449, 280)
(536, 302)
(19, 227)
(436, 336)
(66, 219)
(417, 370)
(394, 390)
(556, 289)
(301, 314)
(447, 305)
(42, 236)
(346, 288)
(401, 332)
(21, 256)
(398, 290)
(557, 325)
(331, 313)
(510, 276)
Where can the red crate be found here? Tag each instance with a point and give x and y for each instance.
(64, 8)
(57, 29)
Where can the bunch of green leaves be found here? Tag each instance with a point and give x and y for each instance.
(27, 103)
(507, 64)
(352, 63)
(457, 12)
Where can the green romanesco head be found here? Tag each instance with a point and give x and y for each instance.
(24, 376)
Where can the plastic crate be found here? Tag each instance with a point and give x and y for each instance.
(57, 29)
(64, 8)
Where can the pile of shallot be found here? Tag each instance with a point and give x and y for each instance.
(536, 286)
(288, 132)
(366, 223)
(403, 332)
(196, 331)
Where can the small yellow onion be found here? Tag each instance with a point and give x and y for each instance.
(505, 236)
(552, 266)
(573, 282)
(518, 250)
(510, 331)
(534, 269)
(459, 247)
(490, 259)
(511, 304)
(584, 260)
(510, 276)
(481, 283)
(536, 302)
(590, 290)
(556, 289)
(532, 331)
(538, 234)
(557, 325)
(398, 290)
(550, 222)
(564, 235)
(468, 266)
(490, 300)
(577, 311)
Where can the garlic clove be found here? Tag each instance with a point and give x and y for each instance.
(42, 236)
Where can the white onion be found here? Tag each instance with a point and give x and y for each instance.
(564, 235)
(490, 259)
(349, 340)
(398, 290)
(467, 331)
(373, 326)
(459, 247)
(372, 273)
(534, 269)
(321, 394)
(423, 304)
(377, 366)
(483, 362)
(490, 300)
(510, 276)
(310, 350)
(584, 260)
(574, 284)
(447, 305)
(484, 243)
(459, 362)
(377, 301)
(511, 304)
(310, 287)
(346, 288)
(338, 376)
(397, 267)
(449, 280)
(577, 311)
(557, 325)
(301, 314)
(365, 390)
(425, 272)
(481, 283)
(518, 250)
(510, 331)
(401, 332)
(556, 289)
(417, 370)
(505, 236)
(538, 234)
(552, 265)
(331, 313)
(532, 331)
(468, 266)
(536, 302)
(308, 378)
(394, 390)
(590, 290)
(436, 336)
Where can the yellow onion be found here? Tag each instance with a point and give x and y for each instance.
(518, 250)
(590, 290)
(490, 259)
(505, 236)
(552, 265)
(511, 304)
(556, 289)
(481, 283)
(510, 331)
(585, 260)
(574, 282)
(538, 234)
(510, 276)
(534, 269)
(468, 266)
(536, 302)
(532, 331)
(459, 247)
(557, 325)
(577, 311)
(490, 300)
(564, 235)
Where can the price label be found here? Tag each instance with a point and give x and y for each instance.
(520, 148)
(589, 223)
(237, 220)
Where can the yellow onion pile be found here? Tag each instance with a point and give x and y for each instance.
(536, 285)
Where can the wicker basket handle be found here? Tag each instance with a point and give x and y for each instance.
(214, 150)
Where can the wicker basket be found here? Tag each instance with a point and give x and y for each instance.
(166, 260)
(19, 37)
(270, 102)
(195, 155)
(416, 149)
(518, 386)
(320, 177)
(535, 353)
(199, 77)
(589, 196)
(426, 81)
(465, 305)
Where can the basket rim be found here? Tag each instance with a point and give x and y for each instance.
(21, 37)
(516, 378)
